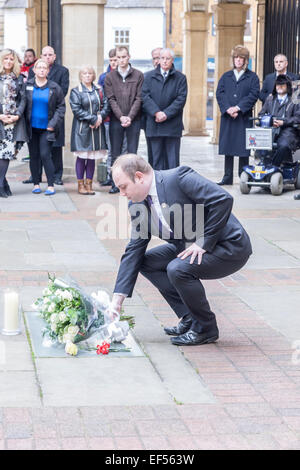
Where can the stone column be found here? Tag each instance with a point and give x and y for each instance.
(83, 38)
(230, 20)
(195, 33)
(37, 24)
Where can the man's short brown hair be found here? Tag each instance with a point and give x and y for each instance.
(130, 164)
(122, 48)
(112, 53)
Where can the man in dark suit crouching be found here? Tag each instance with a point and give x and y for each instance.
(204, 241)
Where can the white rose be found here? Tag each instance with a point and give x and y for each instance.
(67, 295)
(46, 291)
(53, 327)
(71, 349)
(73, 330)
(62, 317)
(67, 338)
(54, 318)
(51, 307)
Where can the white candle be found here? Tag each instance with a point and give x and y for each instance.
(11, 311)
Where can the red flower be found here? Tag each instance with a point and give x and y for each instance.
(103, 348)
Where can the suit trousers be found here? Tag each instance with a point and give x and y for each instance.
(180, 284)
(228, 167)
(57, 158)
(40, 154)
(165, 152)
(116, 135)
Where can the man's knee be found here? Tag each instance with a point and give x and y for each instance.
(176, 270)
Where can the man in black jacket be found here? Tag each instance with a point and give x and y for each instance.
(164, 95)
(60, 75)
(204, 241)
(280, 65)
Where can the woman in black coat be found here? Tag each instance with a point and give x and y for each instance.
(90, 107)
(12, 105)
(45, 111)
(237, 93)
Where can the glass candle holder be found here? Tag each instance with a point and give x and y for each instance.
(11, 313)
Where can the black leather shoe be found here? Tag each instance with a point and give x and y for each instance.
(297, 196)
(107, 182)
(224, 182)
(7, 188)
(183, 326)
(29, 181)
(114, 190)
(192, 338)
(3, 193)
(58, 182)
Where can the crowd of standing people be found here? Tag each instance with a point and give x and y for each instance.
(109, 113)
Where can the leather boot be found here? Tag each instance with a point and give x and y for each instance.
(88, 186)
(81, 187)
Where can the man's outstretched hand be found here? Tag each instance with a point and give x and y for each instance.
(194, 251)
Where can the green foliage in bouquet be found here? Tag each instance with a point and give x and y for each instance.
(67, 313)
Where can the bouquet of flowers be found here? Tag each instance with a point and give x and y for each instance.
(73, 317)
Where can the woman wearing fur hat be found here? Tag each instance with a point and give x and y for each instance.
(237, 93)
(287, 113)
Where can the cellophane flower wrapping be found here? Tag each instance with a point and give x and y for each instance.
(72, 316)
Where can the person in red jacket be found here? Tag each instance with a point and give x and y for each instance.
(29, 61)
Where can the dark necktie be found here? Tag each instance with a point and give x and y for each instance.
(165, 74)
(154, 214)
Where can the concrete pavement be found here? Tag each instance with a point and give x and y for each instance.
(240, 393)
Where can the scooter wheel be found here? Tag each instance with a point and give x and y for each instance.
(244, 187)
(276, 184)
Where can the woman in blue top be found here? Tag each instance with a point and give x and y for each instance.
(44, 112)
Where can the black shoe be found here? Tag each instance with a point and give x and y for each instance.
(183, 326)
(3, 193)
(7, 188)
(59, 182)
(225, 181)
(192, 338)
(107, 182)
(29, 181)
(114, 190)
(297, 196)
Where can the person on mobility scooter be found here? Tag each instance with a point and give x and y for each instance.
(276, 167)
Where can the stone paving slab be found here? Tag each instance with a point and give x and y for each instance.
(19, 388)
(269, 255)
(100, 381)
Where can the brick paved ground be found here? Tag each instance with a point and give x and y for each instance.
(249, 371)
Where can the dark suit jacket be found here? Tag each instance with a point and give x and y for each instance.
(221, 234)
(269, 82)
(168, 96)
(60, 75)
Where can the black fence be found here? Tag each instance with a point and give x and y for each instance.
(282, 33)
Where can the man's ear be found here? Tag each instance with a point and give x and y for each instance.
(139, 176)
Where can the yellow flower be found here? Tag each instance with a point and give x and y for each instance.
(71, 349)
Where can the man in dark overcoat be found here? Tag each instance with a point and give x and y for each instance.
(203, 241)
(60, 75)
(281, 68)
(164, 95)
(237, 93)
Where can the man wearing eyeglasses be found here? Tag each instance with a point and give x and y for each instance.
(164, 95)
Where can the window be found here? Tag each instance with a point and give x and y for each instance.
(248, 26)
(122, 37)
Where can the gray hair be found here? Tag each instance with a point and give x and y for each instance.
(166, 49)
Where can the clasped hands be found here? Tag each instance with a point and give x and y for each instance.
(160, 116)
(277, 122)
(97, 123)
(9, 118)
(233, 111)
(125, 121)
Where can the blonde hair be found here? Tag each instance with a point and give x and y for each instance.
(41, 61)
(131, 163)
(89, 68)
(16, 67)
